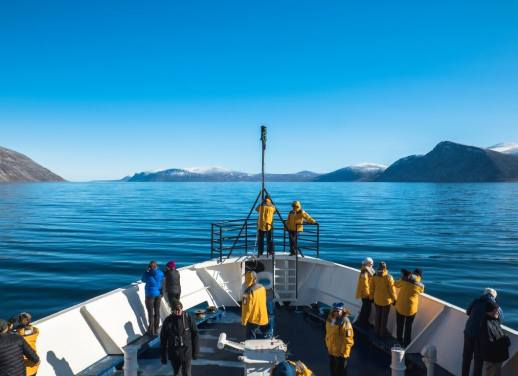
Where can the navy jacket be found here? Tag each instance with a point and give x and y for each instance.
(477, 315)
(12, 349)
(153, 280)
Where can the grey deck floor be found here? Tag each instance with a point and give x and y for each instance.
(304, 336)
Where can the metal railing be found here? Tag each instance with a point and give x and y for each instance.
(240, 235)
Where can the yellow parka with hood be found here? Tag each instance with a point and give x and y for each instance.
(30, 334)
(296, 218)
(382, 288)
(364, 283)
(266, 213)
(253, 307)
(408, 296)
(300, 368)
(339, 337)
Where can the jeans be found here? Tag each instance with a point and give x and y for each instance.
(182, 367)
(269, 241)
(404, 323)
(380, 325)
(365, 313)
(254, 331)
(293, 236)
(471, 350)
(153, 313)
(172, 297)
(337, 366)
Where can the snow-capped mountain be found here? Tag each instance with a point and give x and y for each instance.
(506, 148)
(359, 172)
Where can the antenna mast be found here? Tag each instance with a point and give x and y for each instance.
(263, 141)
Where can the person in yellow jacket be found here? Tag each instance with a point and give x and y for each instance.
(339, 339)
(254, 313)
(363, 291)
(294, 225)
(383, 293)
(290, 368)
(407, 304)
(30, 334)
(265, 226)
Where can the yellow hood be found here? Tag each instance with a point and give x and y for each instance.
(296, 205)
(250, 278)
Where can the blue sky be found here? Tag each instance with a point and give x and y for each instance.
(102, 89)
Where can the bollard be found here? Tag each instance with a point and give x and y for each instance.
(130, 361)
(398, 361)
(429, 356)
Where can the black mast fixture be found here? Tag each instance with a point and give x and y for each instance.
(263, 142)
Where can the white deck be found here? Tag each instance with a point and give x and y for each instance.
(75, 338)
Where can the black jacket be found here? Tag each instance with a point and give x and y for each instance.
(476, 312)
(179, 338)
(172, 282)
(12, 349)
(494, 344)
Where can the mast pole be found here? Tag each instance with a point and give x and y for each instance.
(263, 142)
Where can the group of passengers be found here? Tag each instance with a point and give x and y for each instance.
(293, 224)
(18, 346)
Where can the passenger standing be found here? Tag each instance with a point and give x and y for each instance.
(254, 313)
(172, 286)
(476, 312)
(384, 294)
(153, 277)
(406, 305)
(30, 334)
(363, 291)
(13, 349)
(179, 340)
(265, 226)
(494, 344)
(294, 224)
(339, 339)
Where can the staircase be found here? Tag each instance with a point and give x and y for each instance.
(285, 276)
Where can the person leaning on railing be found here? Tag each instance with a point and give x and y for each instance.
(294, 225)
(407, 304)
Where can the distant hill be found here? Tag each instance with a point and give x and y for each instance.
(362, 172)
(451, 162)
(16, 167)
(215, 174)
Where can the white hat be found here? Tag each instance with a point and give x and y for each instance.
(367, 260)
(490, 291)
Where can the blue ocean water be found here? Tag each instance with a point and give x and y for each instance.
(62, 243)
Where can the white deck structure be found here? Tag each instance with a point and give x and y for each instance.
(74, 339)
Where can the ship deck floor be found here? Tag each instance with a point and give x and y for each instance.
(303, 334)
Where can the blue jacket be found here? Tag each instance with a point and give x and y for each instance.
(153, 280)
(477, 315)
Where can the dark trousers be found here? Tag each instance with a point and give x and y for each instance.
(153, 313)
(172, 297)
(182, 367)
(294, 237)
(269, 241)
(365, 313)
(337, 366)
(471, 350)
(380, 323)
(254, 331)
(404, 324)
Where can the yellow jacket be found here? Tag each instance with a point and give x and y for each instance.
(31, 368)
(296, 219)
(253, 307)
(265, 219)
(363, 286)
(408, 297)
(382, 288)
(339, 338)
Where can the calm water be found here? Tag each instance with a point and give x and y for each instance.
(63, 243)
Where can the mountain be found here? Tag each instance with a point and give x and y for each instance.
(215, 174)
(506, 148)
(451, 162)
(361, 172)
(16, 167)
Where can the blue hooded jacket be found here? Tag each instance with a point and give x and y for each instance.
(153, 280)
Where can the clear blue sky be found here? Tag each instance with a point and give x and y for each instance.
(102, 89)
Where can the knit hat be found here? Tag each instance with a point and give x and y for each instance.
(284, 369)
(171, 265)
(490, 291)
(367, 261)
(339, 306)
